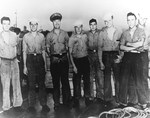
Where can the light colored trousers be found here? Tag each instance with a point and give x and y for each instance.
(9, 71)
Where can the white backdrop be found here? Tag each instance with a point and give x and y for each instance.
(71, 10)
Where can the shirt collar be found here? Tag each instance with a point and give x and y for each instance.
(59, 32)
(95, 31)
(37, 33)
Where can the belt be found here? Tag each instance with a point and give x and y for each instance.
(60, 55)
(110, 51)
(134, 51)
(93, 51)
(35, 54)
(8, 58)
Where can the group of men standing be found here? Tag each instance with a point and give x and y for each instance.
(95, 55)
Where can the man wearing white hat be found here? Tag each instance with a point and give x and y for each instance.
(34, 65)
(108, 57)
(57, 49)
(79, 59)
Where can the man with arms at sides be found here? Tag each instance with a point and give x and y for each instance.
(79, 59)
(34, 66)
(57, 49)
(109, 57)
(9, 66)
(132, 66)
(95, 71)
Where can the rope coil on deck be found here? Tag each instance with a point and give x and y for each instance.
(127, 112)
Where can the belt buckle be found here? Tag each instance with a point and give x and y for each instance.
(94, 50)
(60, 54)
(34, 54)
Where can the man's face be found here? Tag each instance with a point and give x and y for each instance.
(56, 24)
(6, 25)
(78, 29)
(108, 23)
(131, 20)
(93, 26)
(33, 27)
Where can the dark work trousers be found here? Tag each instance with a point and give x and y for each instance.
(131, 79)
(145, 61)
(59, 68)
(83, 68)
(1, 96)
(133, 98)
(97, 74)
(36, 76)
(108, 58)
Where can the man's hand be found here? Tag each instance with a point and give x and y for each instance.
(118, 60)
(102, 66)
(25, 71)
(75, 69)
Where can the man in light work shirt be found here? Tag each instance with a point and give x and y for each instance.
(34, 65)
(57, 49)
(95, 71)
(108, 57)
(132, 65)
(9, 66)
(79, 59)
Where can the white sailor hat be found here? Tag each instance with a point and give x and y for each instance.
(33, 21)
(108, 16)
(78, 23)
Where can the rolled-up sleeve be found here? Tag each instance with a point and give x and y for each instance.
(122, 39)
(142, 35)
(48, 37)
(70, 43)
(43, 43)
(100, 41)
(100, 45)
(24, 45)
(66, 40)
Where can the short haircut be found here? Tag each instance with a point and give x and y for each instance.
(131, 14)
(92, 20)
(4, 18)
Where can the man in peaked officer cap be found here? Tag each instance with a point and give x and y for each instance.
(57, 49)
(55, 16)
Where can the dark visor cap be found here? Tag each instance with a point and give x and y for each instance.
(55, 16)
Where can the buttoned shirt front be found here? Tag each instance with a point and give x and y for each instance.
(78, 43)
(138, 35)
(93, 40)
(8, 49)
(106, 44)
(57, 44)
(33, 44)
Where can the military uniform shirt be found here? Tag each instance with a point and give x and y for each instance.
(109, 45)
(57, 43)
(78, 45)
(8, 49)
(93, 40)
(33, 44)
(137, 36)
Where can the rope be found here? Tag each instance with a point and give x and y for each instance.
(127, 112)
